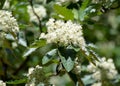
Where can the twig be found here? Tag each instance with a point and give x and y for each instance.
(4, 67)
(21, 66)
(76, 79)
(40, 25)
(80, 82)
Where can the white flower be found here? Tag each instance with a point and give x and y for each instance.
(36, 76)
(42, 36)
(14, 45)
(30, 70)
(64, 33)
(7, 22)
(97, 84)
(91, 68)
(2, 35)
(39, 10)
(107, 65)
(78, 69)
(97, 75)
(2, 83)
(112, 73)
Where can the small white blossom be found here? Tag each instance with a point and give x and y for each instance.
(64, 33)
(42, 36)
(2, 35)
(97, 75)
(91, 68)
(2, 83)
(78, 69)
(14, 45)
(30, 70)
(39, 10)
(7, 22)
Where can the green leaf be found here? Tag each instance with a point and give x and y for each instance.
(66, 13)
(20, 81)
(38, 43)
(76, 49)
(49, 56)
(2, 3)
(68, 64)
(75, 13)
(82, 11)
(29, 51)
(10, 37)
(22, 40)
(20, 11)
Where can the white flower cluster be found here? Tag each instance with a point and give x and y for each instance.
(62, 1)
(2, 83)
(36, 76)
(7, 22)
(64, 33)
(39, 10)
(106, 65)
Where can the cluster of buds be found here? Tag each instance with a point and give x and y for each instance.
(106, 67)
(36, 76)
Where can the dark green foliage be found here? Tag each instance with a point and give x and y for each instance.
(17, 81)
(2, 3)
(49, 56)
(63, 11)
